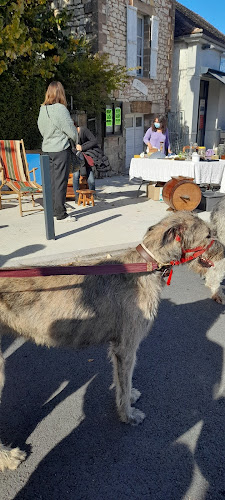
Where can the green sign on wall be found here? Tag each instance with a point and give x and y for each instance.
(118, 116)
(109, 117)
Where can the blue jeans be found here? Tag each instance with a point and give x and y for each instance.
(90, 179)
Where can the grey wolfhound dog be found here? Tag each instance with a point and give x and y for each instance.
(79, 311)
(215, 274)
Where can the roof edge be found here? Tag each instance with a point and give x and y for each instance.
(197, 19)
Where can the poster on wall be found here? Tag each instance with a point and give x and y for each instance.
(118, 116)
(109, 119)
(113, 119)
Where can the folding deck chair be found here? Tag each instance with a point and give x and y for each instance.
(15, 175)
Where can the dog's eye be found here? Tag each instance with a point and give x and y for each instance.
(208, 235)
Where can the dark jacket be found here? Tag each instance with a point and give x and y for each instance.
(90, 146)
(86, 139)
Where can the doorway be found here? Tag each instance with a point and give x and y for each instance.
(202, 110)
(134, 124)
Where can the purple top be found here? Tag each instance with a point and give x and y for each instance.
(156, 137)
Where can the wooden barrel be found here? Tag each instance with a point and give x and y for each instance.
(181, 193)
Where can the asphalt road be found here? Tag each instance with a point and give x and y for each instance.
(57, 406)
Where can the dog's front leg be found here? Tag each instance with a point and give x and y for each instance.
(123, 366)
(10, 458)
(214, 276)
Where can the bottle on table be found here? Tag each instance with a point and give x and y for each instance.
(190, 151)
(195, 157)
(201, 152)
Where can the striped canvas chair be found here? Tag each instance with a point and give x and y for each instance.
(14, 173)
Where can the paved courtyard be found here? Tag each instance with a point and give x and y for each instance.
(118, 220)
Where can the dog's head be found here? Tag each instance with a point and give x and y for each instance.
(177, 232)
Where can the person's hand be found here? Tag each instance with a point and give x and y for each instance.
(78, 147)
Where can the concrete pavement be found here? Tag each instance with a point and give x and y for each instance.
(57, 406)
(118, 220)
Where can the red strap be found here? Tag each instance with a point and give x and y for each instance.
(170, 277)
(199, 248)
(77, 270)
(196, 253)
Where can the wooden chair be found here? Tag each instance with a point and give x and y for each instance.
(85, 196)
(15, 175)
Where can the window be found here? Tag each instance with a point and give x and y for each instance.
(140, 45)
(129, 122)
(138, 121)
(222, 63)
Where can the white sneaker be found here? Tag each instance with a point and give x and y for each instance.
(69, 218)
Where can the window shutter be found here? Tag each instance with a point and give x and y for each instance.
(154, 46)
(131, 40)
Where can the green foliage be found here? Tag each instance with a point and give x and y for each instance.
(35, 48)
(90, 79)
(19, 109)
(32, 38)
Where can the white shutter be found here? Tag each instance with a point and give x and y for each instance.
(131, 40)
(154, 46)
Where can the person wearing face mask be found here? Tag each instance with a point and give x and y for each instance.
(156, 134)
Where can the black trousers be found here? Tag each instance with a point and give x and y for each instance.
(59, 172)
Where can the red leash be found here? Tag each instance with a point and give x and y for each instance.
(78, 270)
(104, 269)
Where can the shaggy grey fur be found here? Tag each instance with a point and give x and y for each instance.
(215, 275)
(78, 311)
(217, 219)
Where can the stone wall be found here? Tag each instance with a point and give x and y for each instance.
(104, 21)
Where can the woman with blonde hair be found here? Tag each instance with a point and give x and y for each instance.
(57, 128)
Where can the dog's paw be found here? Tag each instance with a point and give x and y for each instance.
(219, 298)
(11, 458)
(136, 417)
(135, 395)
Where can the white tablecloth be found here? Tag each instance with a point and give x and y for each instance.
(161, 170)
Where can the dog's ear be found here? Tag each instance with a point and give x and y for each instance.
(174, 232)
(151, 228)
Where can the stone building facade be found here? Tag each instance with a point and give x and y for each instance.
(137, 34)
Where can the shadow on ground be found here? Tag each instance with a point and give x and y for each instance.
(177, 369)
(21, 252)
